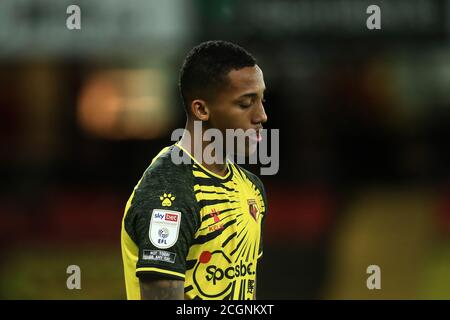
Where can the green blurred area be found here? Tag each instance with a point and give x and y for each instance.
(40, 272)
(396, 230)
(392, 228)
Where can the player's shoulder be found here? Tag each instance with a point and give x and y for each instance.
(164, 172)
(252, 177)
(164, 185)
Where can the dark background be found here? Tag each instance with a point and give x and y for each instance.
(363, 116)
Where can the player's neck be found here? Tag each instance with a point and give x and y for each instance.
(187, 142)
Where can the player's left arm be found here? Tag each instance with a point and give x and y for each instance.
(161, 289)
(161, 266)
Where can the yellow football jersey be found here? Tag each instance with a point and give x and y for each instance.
(184, 222)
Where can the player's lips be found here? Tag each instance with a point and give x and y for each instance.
(257, 137)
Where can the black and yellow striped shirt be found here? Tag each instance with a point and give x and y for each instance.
(185, 222)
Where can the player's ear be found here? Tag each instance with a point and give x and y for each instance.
(200, 110)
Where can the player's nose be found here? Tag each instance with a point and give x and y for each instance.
(260, 114)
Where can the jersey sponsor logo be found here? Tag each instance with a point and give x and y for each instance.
(216, 226)
(171, 217)
(215, 215)
(251, 286)
(159, 216)
(164, 228)
(216, 275)
(253, 208)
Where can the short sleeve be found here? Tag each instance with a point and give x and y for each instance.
(162, 221)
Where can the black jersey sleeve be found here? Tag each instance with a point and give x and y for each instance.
(162, 219)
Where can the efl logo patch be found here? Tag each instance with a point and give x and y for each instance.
(164, 228)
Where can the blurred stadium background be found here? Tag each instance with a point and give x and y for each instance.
(364, 118)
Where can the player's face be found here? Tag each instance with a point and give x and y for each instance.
(240, 106)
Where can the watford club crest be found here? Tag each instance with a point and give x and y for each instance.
(253, 209)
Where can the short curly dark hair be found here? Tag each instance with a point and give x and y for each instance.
(206, 67)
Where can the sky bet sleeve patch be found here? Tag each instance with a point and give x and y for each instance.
(164, 228)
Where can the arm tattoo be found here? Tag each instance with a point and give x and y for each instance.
(162, 289)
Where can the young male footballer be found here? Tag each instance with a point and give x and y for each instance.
(193, 230)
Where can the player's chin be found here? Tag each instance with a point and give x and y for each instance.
(249, 149)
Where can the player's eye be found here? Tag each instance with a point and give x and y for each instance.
(245, 105)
